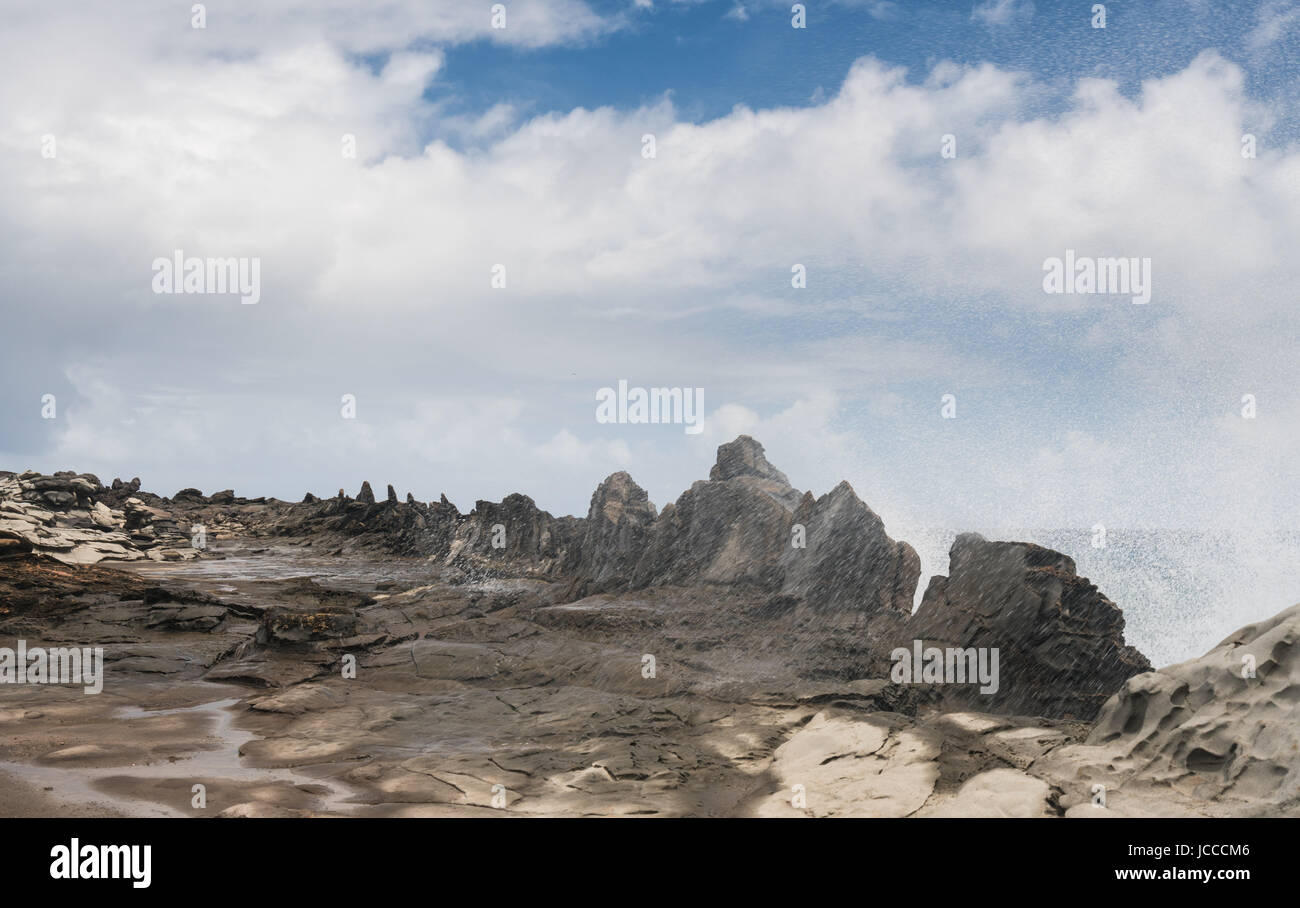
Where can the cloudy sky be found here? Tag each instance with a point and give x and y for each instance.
(523, 146)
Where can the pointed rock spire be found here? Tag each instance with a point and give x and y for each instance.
(744, 457)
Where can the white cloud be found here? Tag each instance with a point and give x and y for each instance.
(672, 271)
(1002, 12)
(1274, 21)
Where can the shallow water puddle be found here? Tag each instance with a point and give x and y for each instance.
(81, 784)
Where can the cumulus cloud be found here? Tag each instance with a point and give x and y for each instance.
(1002, 12)
(924, 274)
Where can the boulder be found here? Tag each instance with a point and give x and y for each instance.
(1060, 642)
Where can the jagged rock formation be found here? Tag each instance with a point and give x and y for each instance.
(849, 562)
(730, 530)
(523, 636)
(513, 536)
(65, 517)
(613, 537)
(747, 525)
(1060, 641)
(826, 562)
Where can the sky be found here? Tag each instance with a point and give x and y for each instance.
(524, 147)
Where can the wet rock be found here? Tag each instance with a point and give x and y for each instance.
(293, 627)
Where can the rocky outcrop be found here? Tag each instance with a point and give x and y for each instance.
(847, 561)
(65, 517)
(614, 535)
(747, 525)
(1223, 728)
(824, 563)
(728, 531)
(1060, 642)
(515, 537)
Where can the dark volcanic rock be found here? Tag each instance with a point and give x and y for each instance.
(745, 457)
(366, 495)
(290, 627)
(737, 528)
(730, 529)
(614, 536)
(1060, 641)
(717, 532)
(848, 561)
(514, 536)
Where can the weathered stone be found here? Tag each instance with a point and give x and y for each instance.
(1060, 641)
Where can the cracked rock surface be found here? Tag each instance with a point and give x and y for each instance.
(381, 656)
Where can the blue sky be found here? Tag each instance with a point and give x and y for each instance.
(710, 60)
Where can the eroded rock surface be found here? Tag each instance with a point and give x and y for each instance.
(1215, 735)
(1060, 641)
(394, 657)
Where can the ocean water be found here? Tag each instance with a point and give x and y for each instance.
(1181, 591)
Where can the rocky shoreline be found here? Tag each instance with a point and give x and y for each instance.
(734, 653)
